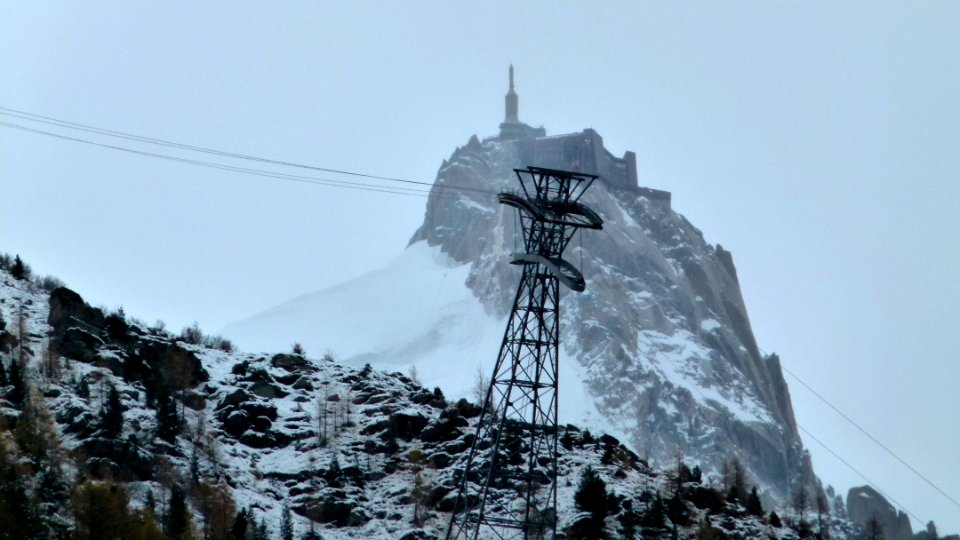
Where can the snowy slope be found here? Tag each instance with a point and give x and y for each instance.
(355, 482)
(416, 313)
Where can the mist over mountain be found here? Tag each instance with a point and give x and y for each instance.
(658, 350)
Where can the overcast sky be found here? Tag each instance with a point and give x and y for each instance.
(821, 144)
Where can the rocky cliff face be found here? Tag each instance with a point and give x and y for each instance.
(865, 504)
(662, 331)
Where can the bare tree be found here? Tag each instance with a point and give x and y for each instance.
(414, 376)
(23, 335)
(801, 500)
(480, 387)
(822, 505)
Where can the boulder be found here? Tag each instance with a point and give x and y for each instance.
(445, 428)
(78, 344)
(292, 362)
(439, 460)
(303, 383)
(255, 408)
(77, 420)
(121, 458)
(261, 424)
(236, 423)
(67, 307)
(406, 425)
(417, 534)
(233, 400)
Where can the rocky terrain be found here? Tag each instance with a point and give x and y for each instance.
(112, 428)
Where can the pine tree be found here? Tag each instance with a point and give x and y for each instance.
(286, 523)
(775, 520)
(169, 422)
(629, 521)
(111, 416)
(20, 270)
(177, 524)
(754, 507)
(83, 388)
(240, 525)
(696, 475)
(333, 473)
(19, 392)
(261, 532)
(591, 496)
(655, 515)
(194, 466)
(3, 375)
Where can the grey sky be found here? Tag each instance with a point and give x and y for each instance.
(821, 144)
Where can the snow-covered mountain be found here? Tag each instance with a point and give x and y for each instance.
(658, 350)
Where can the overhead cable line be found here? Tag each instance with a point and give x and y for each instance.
(871, 437)
(706, 400)
(23, 115)
(860, 474)
(395, 190)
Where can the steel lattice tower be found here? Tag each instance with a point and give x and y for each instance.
(508, 488)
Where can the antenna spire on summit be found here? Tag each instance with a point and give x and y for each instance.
(511, 106)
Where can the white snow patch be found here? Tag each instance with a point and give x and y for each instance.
(679, 360)
(709, 325)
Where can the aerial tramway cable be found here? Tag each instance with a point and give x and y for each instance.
(23, 115)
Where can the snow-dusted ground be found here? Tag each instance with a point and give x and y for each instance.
(415, 313)
(263, 479)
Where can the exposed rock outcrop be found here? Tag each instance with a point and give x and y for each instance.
(662, 330)
(865, 504)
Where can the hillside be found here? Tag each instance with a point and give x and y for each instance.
(112, 425)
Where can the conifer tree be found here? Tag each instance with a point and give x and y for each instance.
(178, 515)
(169, 422)
(111, 416)
(775, 520)
(3, 375)
(754, 507)
(261, 532)
(19, 392)
(83, 388)
(655, 515)
(591, 496)
(240, 525)
(194, 467)
(20, 270)
(151, 502)
(286, 523)
(629, 521)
